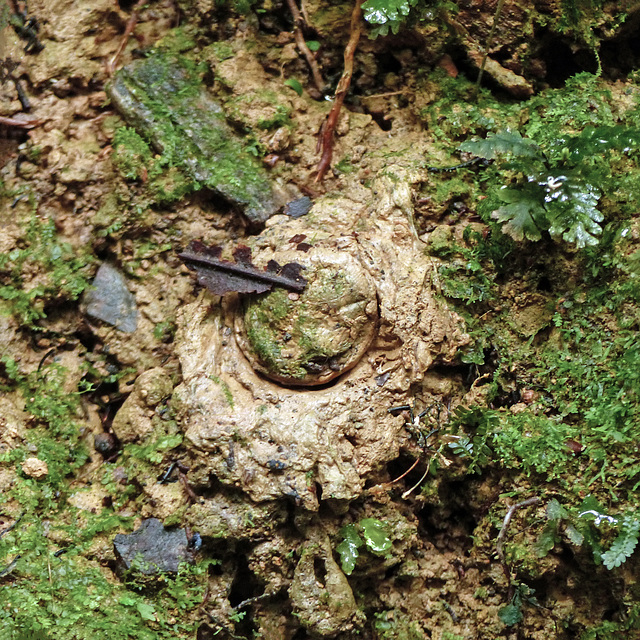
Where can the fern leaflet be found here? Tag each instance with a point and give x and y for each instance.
(624, 545)
(502, 143)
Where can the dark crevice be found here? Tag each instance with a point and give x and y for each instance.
(320, 570)
(544, 284)
(400, 465)
(352, 440)
(621, 54)
(562, 60)
(245, 584)
(381, 120)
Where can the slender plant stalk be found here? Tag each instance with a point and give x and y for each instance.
(326, 134)
(496, 17)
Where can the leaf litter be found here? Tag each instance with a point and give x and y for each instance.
(241, 275)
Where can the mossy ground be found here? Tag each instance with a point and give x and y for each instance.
(553, 402)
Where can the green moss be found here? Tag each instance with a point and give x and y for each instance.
(164, 331)
(62, 272)
(172, 109)
(55, 433)
(228, 396)
(155, 449)
(262, 318)
(132, 156)
(345, 165)
(178, 40)
(281, 118)
(67, 596)
(395, 625)
(264, 344)
(221, 51)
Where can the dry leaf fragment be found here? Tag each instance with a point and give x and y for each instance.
(242, 276)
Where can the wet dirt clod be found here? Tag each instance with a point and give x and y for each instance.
(272, 441)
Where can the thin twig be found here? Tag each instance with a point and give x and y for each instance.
(131, 25)
(326, 139)
(10, 566)
(505, 527)
(496, 17)
(12, 526)
(298, 22)
(385, 95)
(191, 494)
(408, 492)
(254, 600)
(23, 124)
(196, 255)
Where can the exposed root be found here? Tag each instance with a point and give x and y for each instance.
(298, 22)
(327, 131)
(408, 492)
(496, 17)
(503, 532)
(379, 488)
(23, 124)
(131, 25)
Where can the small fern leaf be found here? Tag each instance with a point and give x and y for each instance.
(621, 549)
(595, 141)
(502, 143)
(523, 214)
(575, 536)
(383, 11)
(571, 209)
(624, 545)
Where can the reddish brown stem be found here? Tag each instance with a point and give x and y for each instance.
(326, 141)
(298, 22)
(131, 25)
(23, 124)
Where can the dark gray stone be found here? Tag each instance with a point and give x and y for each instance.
(152, 549)
(163, 98)
(109, 300)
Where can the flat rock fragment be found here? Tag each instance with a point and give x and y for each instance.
(110, 300)
(163, 98)
(152, 549)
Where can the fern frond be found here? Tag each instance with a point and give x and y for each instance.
(624, 545)
(502, 143)
(523, 214)
(571, 208)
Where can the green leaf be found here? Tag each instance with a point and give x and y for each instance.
(624, 545)
(594, 141)
(502, 143)
(384, 11)
(547, 540)
(575, 537)
(524, 214)
(348, 548)
(146, 611)
(571, 209)
(375, 535)
(313, 45)
(510, 614)
(292, 83)
(555, 511)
